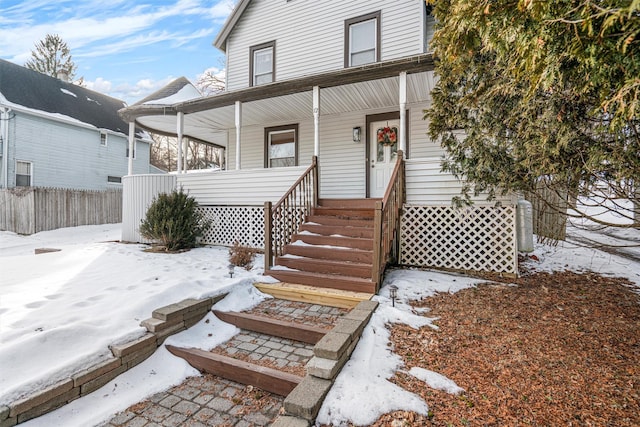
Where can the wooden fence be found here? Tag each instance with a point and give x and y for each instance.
(549, 213)
(29, 210)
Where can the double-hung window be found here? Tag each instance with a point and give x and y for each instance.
(262, 64)
(281, 146)
(362, 40)
(23, 173)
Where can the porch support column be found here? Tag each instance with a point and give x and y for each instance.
(132, 136)
(403, 112)
(316, 121)
(180, 131)
(238, 130)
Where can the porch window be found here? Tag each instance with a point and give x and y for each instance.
(281, 146)
(362, 40)
(262, 63)
(23, 173)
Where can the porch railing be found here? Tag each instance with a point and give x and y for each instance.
(283, 219)
(386, 222)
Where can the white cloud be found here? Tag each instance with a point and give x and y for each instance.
(99, 85)
(103, 26)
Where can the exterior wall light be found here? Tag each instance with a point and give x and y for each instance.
(357, 132)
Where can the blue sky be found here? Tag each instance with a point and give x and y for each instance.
(123, 48)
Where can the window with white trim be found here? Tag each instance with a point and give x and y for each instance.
(262, 64)
(362, 40)
(103, 139)
(24, 172)
(281, 146)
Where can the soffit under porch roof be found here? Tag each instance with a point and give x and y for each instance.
(211, 124)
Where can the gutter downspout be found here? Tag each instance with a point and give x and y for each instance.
(4, 133)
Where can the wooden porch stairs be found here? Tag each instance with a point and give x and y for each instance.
(332, 249)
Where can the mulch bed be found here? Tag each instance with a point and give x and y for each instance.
(557, 349)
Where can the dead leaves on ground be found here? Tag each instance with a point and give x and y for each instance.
(557, 349)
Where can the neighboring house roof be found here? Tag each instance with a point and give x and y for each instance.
(30, 89)
(221, 40)
(179, 90)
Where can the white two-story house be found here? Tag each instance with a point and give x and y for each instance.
(331, 94)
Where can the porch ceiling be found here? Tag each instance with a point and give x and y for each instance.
(211, 125)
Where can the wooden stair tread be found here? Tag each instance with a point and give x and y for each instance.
(334, 241)
(318, 252)
(348, 203)
(269, 379)
(279, 328)
(331, 266)
(314, 295)
(337, 220)
(343, 230)
(357, 284)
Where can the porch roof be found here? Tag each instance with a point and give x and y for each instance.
(367, 87)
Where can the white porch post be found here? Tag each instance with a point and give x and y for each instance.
(180, 127)
(238, 129)
(403, 112)
(316, 121)
(132, 131)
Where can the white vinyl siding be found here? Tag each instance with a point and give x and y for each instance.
(69, 156)
(426, 185)
(310, 35)
(247, 187)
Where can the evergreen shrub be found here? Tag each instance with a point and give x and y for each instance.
(173, 221)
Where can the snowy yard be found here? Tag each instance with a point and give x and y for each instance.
(59, 311)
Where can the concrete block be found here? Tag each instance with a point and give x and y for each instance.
(146, 341)
(95, 384)
(285, 421)
(368, 305)
(191, 304)
(95, 371)
(169, 312)
(4, 412)
(23, 405)
(49, 405)
(332, 345)
(329, 369)
(351, 327)
(359, 315)
(161, 336)
(156, 325)
(133, 359)
(9, 422)
(194, 317)
(306, 399)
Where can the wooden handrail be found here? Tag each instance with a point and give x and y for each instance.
(387, 222)
(283, 219)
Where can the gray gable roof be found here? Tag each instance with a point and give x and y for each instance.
(30, 89)
(171, 89)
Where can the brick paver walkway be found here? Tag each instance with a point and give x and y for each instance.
(213, 401)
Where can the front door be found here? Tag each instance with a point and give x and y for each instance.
(383, 146)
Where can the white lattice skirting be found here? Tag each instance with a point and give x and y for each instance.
(477, 238)
(244, 224)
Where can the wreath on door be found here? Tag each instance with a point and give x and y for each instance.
(387, 135)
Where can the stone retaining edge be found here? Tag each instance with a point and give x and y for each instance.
(165, 321)
(331, 353)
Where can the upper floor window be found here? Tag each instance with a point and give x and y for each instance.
(262, 64)
(362, 40)
(281, 146)
(103, 139)
(23, 173)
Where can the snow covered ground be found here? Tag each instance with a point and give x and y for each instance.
(59, 311)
